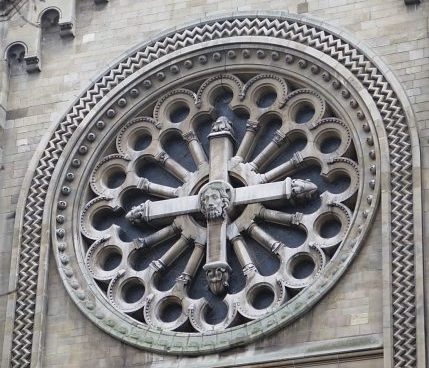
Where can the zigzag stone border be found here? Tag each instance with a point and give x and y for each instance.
(400, 149)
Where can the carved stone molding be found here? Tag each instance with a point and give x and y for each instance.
(194, 44)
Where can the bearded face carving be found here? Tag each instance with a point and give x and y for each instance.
(214, 200)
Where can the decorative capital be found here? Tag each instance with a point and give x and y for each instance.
(189, 136)
(222, 127)
(162, 157)
(280, 138)
(252, 126)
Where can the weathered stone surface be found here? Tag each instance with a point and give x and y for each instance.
(354, 307)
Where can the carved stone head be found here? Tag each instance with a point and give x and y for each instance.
(217, 279)
(214, 200)
(303, 189)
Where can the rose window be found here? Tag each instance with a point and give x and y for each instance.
(218, 202)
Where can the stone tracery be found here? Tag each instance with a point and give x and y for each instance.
(317, 40)
(230, 187)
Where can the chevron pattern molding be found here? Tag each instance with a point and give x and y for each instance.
(395, 123)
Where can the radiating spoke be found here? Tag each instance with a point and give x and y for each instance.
(157, 190)
(240, 250)
(280, 218)
(284, 170)
(158, 237)
(172, 166)
(221, 148)
(271, 151)
(173, 253)
(195, 147)
(248, 143)
(263, 238)
(193, 264)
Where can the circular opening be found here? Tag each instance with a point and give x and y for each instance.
(132, 291)
(215, 312)
(262, 297)
(179, 112)
(330, 227)
(110, 258)
(103, 219)
(141, 142)
(170, 310)
(330, 144)
(222, 96)
(241, 113)
(340, 183)
(304, 113)
(303, 266)
(115, 177)
(266, 99)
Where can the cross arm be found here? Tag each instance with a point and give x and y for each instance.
(288, 188)
(151, 210)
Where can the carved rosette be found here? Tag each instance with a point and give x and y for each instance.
(145, 200)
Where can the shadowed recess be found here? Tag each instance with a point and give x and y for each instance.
(266, 262)
(266, 99)
(179, 113)
(330, 228)
(141, 142)
(330, 144)
(303, 268)
(265, 135)
(115, 179)
(215, 311)
(170, 310)
(110, 258)
(298, 144)
(168, 276)
(262, 297)
(132, 291)
(105, 218)
(304, 114)
(292, 236)
(141, 258)
(156, 174)
(177, 148)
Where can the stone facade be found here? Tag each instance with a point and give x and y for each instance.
(53, 50)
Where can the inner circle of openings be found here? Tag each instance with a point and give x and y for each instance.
(115, 177)
(303, 267)
(170, 310)
(262, 297)
(110, 258)
(330, 144)
(330, 228)
(304, 113)
(266, 99)
(179, 112)
(141, 142)
(132, 291)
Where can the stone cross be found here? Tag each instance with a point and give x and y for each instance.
(216, 200)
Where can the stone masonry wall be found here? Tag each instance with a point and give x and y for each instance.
(397, 33)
